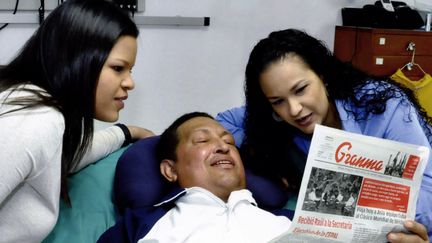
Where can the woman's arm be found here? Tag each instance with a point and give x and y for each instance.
(399, 122)
(109, 140)
(405, 126)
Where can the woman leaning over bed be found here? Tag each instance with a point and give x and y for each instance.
(75, 68)
(294, 82)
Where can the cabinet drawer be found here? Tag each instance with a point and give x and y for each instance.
(362, 47)
(385, 44)
(391, 63)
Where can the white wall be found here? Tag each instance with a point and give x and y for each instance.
(183, 69)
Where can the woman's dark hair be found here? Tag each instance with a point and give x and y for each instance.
(167, 145)
(268, 147)
(65, 57)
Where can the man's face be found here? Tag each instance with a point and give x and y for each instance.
(207, 157)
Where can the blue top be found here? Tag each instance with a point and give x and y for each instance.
(398, 122)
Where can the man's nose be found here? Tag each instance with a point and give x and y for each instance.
(222, 147)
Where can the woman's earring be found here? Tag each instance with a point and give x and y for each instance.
(326, 90)
(276, 117)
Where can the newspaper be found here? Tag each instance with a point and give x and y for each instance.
(356, 188)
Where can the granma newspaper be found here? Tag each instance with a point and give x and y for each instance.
(356, 188)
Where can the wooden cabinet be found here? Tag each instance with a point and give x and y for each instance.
(382, 51)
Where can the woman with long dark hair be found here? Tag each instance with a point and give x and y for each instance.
(74, 69)
(294, 82)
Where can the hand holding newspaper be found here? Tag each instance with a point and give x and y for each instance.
(356, 188)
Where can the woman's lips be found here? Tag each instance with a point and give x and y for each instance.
(120, 103)
(304, 121)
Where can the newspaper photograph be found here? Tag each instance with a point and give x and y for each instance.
(356, 188)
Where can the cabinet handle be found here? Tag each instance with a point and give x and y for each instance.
(379, 61)
(411, 46)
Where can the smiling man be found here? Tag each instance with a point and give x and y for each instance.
(205, 156)
(212, 204)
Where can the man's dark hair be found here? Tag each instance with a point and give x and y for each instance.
(167, 145)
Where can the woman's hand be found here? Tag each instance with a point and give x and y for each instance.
(417, 233)
(139, 132)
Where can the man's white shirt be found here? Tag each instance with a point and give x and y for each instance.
(200, 216)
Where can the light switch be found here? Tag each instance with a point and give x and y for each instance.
(382, 41)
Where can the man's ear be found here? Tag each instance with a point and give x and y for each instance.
(168, 170)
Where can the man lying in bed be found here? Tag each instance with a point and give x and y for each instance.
(198, 154)
(210, 203)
